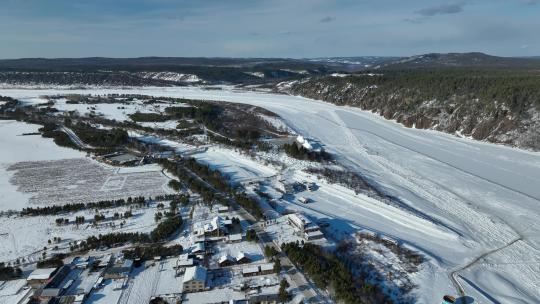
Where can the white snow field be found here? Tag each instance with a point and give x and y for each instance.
(475, 206)
(14, 148)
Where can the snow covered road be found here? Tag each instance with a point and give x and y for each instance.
(476, 196)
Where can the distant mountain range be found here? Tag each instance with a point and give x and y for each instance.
(462, 60)
(313, 65)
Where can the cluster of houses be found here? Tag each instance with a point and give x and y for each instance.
(73, 282)
(216, 248)
(227, 260)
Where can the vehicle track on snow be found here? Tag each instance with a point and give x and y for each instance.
(428, 156)
(454, 275)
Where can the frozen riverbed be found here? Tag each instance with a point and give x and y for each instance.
(478, 197)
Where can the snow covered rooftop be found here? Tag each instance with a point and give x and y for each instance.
(241, 255)
(41, 274)
(224, 258)
(267, 266)
(217, 295)
(198, 247)
(197, 273)
(235, 237)
(250, 269)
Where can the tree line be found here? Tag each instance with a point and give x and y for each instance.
(215, 178)
(328, 272)
(74, 207)
(302, 153)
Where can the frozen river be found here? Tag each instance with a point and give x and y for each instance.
(476, 197)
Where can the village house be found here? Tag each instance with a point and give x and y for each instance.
(194, 279)
(119, 271)
(242, 258)
(225, 260)
(40, 276)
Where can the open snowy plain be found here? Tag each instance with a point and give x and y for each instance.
(472, 207)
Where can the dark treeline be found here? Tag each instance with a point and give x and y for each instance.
(302, 153)
(50, 130)
(139, 201)
(517, 89)
(58, 209)
(9, 272)
(54, 262)
(148, 117)
(212, 177)
(328, 272)
(149, 252)
(205, 113)
(164, 230)
(244, 143)
(100, 137)
(112, 239)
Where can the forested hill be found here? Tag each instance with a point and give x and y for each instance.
(501, 106)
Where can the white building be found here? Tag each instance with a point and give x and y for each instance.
(194, 279)
(307, 228)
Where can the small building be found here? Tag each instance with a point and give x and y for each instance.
(40, 276)
(223, 209)
(217, 227)
(304, 200)
(194, 279)
(242, 258)
(313, 235)
(119, 271)
(256, 270)
(185, 263)
(83, 263)
(267, 268)
(104, 261)
(235, 238)
(47, 294)
(225, 261)
(266, 295)
(250, 271)
(299, 221)
(125, 159)
(198, 248)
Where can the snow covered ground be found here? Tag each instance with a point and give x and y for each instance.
(13, 291)
(16, 148)
(478, 204)
(236, 166)
(26, 236)
(34, 170)
(84, 180)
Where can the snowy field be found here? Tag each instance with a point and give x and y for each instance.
(34, 170)
(479, 203)
(84, 180)
(26, 236)
(16, 148)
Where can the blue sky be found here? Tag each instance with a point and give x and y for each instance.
(272, 28)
